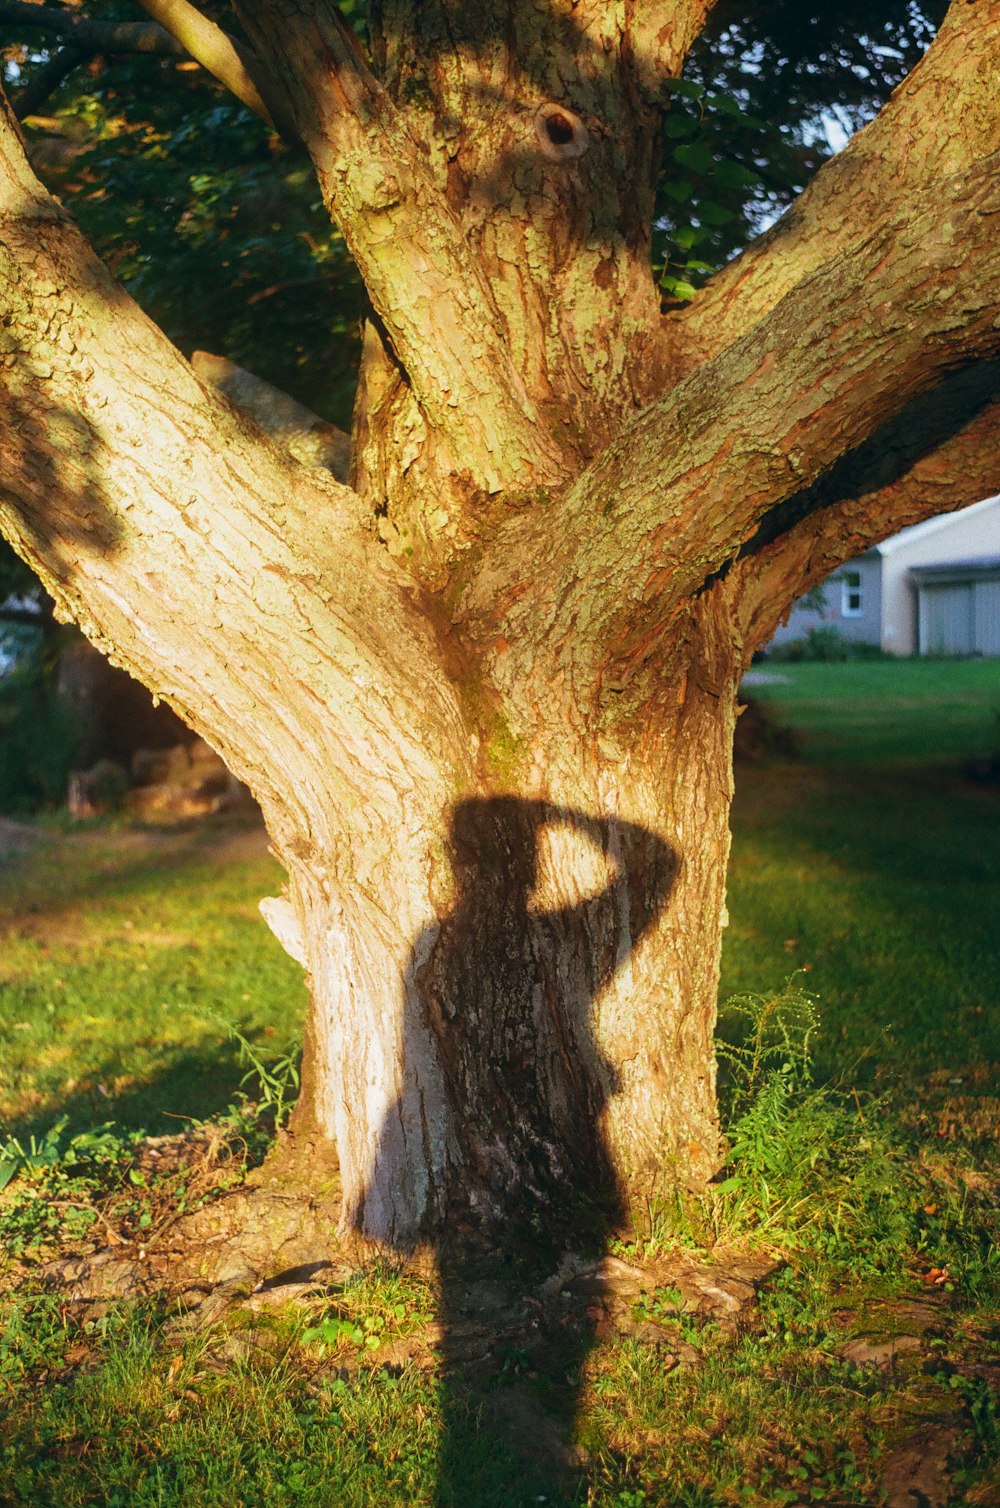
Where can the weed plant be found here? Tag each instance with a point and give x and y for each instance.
(274, 1076)
(820, 1170)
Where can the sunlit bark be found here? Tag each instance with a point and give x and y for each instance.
(486, 694)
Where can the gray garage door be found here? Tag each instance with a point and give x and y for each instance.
(947, 620)
(988, 617)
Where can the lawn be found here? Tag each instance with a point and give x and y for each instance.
(877, 712)
(125, 952)
(873, 863)
(864, 1160)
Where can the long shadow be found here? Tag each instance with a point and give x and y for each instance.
(30, 884)
(908, 858)
(507, 990)
(191, 1085)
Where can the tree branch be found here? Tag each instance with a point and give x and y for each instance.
(907, 298)
(219, 54)
(311, 440)
(899, 151)
(46, 79)
(424, 280)
(242, 587)
(182, 31)
(884, 463)
(962, 469)
(96, 36)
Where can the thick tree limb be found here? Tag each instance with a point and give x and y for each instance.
(311, 440)
(908, 298)
(884, 464)
(689, 483)
(423, 278)
(240, 586)
(963, 469)
(942, 116)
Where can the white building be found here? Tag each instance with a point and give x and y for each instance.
(933, 589)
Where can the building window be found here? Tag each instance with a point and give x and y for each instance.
(850, 595)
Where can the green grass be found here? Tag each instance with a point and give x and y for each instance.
(870, 865)
(883, 887)
(921, 711)
(121, 949)
(876, 867)
(182, 1425)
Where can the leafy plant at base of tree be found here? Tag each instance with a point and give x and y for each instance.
(97, 1144)
(814, 1169)
(277, 1081)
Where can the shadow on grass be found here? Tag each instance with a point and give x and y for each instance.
(883, 884)
(194, 1085)
(114, 862)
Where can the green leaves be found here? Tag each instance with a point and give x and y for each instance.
(53, 1147)
(213, 227)
(370, 1310)
(676, 287)
(735, 175)
(334, 1331)
(705, 187)
(731, 107)
(696, 156)
(686, 89)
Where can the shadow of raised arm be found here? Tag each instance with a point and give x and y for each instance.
(644, 870)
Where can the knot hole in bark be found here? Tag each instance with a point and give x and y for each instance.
(561, 134)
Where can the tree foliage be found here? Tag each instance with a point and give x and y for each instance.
(769, 91)
(212, 224)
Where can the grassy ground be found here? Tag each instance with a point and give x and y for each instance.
(864, 1156)
(873, 863)
(124, 953)
(863, 713)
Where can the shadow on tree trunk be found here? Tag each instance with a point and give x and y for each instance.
(508, 988)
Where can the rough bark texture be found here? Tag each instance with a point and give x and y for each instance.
(486, 694)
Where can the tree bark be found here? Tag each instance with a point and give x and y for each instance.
(486, 695)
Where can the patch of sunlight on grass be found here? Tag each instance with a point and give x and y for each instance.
(152, 1424)
(119, 947)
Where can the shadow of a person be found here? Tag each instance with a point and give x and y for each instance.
(507, 988)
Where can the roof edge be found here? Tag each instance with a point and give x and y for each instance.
(931, 526)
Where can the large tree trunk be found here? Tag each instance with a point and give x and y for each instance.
(515, 998)
(486, 695)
